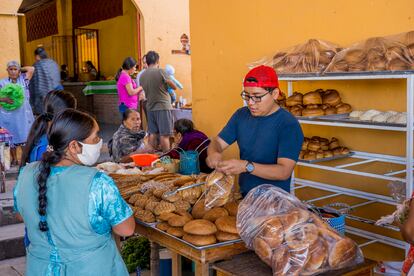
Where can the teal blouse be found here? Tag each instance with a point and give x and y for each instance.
(106, 206)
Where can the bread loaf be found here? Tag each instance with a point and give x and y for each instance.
(227, 224)
(200, 240)
(200, 227)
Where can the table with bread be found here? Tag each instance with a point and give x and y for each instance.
(281, 231)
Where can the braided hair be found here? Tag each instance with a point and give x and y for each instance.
(70, 125)
(54, 102)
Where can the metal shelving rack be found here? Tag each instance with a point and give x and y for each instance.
(359, 158)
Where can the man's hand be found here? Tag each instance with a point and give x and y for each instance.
(213, 160)
(232, 166)
(6, 100)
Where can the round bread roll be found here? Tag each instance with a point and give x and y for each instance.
(166, 216)
(330, 111)
(198, 210)
(180, 220)
(310, 155)
(367, 115)
(302, 154)
(327, 154)
(382, 117)
(319, 154)
(164, 207)
(312, 97)
(313, 106)
(343, 108)
(294, 217)
(215, 213)
(175, 231)
(312, 112)
(314, 146)
(331, 97)
(200, 240)
(334, 143)
(182, 205)
(342, 252)
(227, 224)
(262, 250)
(301, 235)
(318, 253)
(224, 236)
(295, 99)
(163, 226)
(150, 205)
(200, 227)
(296, 110)
(272, 232)
(232, 208)
(280, 261)
(356, 114)
(141, 202)
(305, 145)
(145, 216)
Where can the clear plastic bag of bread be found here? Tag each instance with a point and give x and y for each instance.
(390, 53)
(219, 189)
(313, 56)
(290, 238)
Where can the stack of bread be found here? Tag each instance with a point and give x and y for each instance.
(379, 116)
(312, 56)
(317, 103)
(288, 237)
(375, 54)
(318, 148)
(184, 214)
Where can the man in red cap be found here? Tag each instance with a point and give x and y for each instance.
(269, 137)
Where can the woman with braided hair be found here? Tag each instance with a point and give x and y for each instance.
(55, 101)
(70, 210)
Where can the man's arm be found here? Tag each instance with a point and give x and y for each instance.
(215, 151)
(171, 84)
(280, 171)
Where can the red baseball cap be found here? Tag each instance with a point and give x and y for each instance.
(265, 75)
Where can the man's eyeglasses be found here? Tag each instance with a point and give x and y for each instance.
(257, 99)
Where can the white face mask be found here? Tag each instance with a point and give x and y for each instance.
(90, 153)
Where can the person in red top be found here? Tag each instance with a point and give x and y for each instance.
(188, 138)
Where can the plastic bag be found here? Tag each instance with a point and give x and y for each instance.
(313, 56)
(14, 92)
(219, 189)
(375, 54)
(397, 189)
(288, 237)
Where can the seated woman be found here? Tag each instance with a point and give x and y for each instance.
(129, 138)
(188, 138)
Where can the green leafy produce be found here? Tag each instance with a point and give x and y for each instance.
(14, 92)
(136, 251)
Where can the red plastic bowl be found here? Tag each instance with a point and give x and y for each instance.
(144, 159)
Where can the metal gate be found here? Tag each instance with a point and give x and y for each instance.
(86, 49)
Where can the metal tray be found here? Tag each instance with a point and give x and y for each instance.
(215, 245)
(327, 159)
(331, 117)
(356, 121)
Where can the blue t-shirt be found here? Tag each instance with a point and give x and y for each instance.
(263, 140)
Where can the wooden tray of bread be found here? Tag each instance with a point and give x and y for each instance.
(327, 117)
(214, 245)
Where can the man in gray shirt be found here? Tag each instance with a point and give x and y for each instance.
(155, 83)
